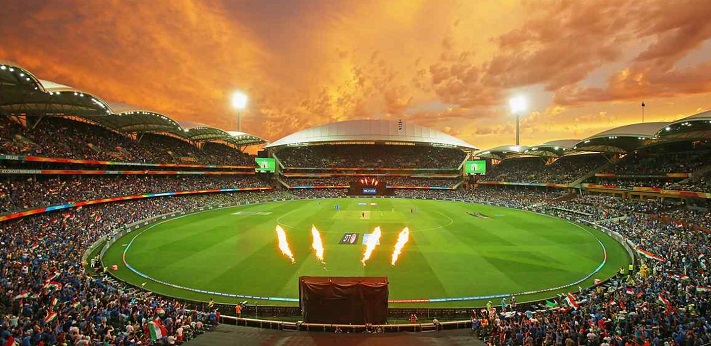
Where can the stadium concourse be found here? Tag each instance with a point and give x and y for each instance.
(77, 175)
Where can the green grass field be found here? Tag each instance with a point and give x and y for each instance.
(450, 252)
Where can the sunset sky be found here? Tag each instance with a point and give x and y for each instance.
(585, 66)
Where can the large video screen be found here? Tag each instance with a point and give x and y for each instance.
(475, 167)
(265, 165)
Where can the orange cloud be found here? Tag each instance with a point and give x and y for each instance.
(448, 65)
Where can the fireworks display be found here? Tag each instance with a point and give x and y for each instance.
(284, 244)
(372, 241)
(402, 239)
(370, 245)
(317, 245)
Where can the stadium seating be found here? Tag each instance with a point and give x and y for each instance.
(41, 255)
(534, 170)
(361, 156)
(65, 138)
(700, 183)
(17, 194)
(652, 162)
(389, 180)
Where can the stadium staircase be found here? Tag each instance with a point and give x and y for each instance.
(614, 219)
(592, 173)
(461, 165)
(278, 178)
(698, 173)
(567, 197)
(111, 281)
(278, 162)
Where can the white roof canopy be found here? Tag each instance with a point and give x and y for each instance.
(370, 130)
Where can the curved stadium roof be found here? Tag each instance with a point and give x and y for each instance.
(368, 131)
(622, 139)
(503, 151)
(697, 126)
(553, 148)
(21, 93)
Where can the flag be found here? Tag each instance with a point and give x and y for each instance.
(629, 290)
(51, 277)
(650, 255)
(550, 304)
(54, 301)
(157, 330)
(665, 302)
(570, 299)
(703, 289)
(160, 311)
(51, 315)
(22, 295)
(76, 305)
(53, 285)
(597, 282)
(34, 246)
(678, 277)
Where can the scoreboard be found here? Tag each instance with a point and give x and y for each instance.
(368, 187)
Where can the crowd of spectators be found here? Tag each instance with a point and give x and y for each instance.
(600, 207)
(389, 180)
(515, 170)
(630, 182)
(571, 167)
(664, 302)
(639, 169)
(696, 217)
(318, 193)
(419, 181)
(46, 296)
(65, 138)
(78, 309)
(700, 183)
(23, 192)
(534, 170)
(518, 197)
(362, 156)
(660, 162)
(331, 181)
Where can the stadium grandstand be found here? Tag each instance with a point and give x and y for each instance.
(400, 154)
(80, 175)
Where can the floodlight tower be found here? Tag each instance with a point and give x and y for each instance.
(239, 102)
(518, 106)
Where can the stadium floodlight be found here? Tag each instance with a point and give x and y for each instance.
(239, 102)
(518, 106)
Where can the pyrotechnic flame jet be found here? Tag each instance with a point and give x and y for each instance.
(317, 245)
(370, 245)
(401, 241)
(283, 244)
